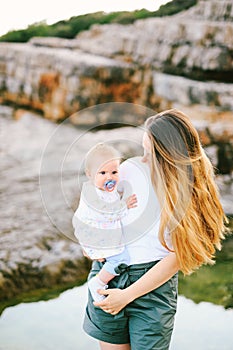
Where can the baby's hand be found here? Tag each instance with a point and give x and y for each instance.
(131, 201)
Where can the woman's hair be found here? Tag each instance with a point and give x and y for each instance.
(183, 178)
(100, 153)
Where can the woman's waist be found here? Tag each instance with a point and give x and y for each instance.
(131, 269)
(144, 256)
(136, 268)
(146, 249)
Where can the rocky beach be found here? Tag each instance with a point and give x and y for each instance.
(49, 117)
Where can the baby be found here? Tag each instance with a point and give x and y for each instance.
(97, 220)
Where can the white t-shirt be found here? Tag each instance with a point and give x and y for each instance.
(141, 225)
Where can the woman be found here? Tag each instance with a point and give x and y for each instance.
(138, 312)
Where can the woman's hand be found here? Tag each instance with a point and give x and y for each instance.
(116, 300)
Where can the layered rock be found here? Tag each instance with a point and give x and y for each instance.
(214, 10)
(60, 82)
(137, 63)
(167, 45)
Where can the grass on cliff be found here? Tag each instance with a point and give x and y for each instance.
(70, 28)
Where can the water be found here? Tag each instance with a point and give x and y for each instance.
(57, 324)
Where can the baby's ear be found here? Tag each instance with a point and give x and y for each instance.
(87, 172)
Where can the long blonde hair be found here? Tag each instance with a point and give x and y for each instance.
(183, 178)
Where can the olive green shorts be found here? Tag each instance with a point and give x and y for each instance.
(146, 323)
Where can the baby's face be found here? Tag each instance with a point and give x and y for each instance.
(107, 171)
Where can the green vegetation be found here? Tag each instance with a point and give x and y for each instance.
(39, 294)
(212, 283)
(70, 28)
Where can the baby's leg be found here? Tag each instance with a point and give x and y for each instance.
(105, 276)
(99, 282)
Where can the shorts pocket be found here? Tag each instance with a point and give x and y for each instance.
(167, 293)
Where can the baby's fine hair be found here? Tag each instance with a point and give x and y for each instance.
(102, 151)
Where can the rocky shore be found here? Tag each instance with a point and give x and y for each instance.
(159, 63)
(39, 197)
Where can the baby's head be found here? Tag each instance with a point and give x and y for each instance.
(102, 166)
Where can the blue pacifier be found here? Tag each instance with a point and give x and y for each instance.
(109, 185)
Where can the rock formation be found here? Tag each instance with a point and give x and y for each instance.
(141, 63)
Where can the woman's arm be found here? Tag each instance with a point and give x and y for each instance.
(160, 273)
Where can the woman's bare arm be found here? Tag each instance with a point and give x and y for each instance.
(160, 273)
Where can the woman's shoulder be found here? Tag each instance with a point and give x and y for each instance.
(133, 166)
